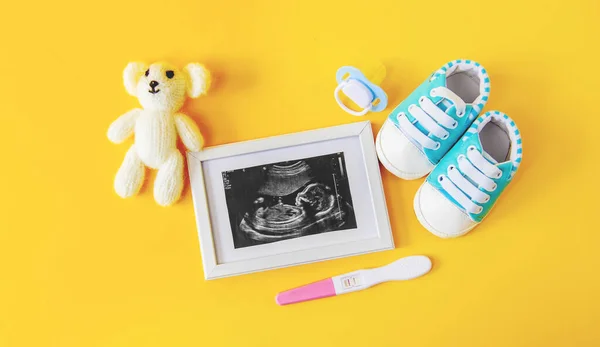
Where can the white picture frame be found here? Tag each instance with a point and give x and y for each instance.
(355, 141)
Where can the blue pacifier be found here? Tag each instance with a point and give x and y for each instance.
(364, 93)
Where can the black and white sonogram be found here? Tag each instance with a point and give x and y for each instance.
(289, 199)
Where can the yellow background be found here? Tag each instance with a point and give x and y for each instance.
(81, 267)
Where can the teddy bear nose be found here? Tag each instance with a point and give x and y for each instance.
(153, 84)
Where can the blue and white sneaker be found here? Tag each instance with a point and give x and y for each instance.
(464, 186)
(419, 131)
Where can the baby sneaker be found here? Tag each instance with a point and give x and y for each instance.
(466, 183)
(419, 131)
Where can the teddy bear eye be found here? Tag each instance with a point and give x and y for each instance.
(170, 74)
(147, 72)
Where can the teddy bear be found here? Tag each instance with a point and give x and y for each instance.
(161, 90)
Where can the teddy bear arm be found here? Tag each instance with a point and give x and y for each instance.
(122, 128)
(188, 132)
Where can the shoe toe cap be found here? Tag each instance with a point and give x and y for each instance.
(399, 155)
(439, 215)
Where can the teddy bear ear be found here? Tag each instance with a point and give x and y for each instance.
(198, 81)
(131, 75)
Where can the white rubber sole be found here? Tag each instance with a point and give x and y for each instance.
(391, 168)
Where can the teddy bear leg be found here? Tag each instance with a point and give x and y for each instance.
(169, 180)
(130, 176)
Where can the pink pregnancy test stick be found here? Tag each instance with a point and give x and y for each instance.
(402, 269)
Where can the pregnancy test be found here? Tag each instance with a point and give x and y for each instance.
(402, 269)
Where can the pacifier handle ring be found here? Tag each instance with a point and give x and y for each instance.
(336, 94)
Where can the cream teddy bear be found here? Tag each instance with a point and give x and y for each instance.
(161, 90)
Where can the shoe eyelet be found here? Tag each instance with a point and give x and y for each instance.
(499, 174)
(421, 99)
(487, 199)
(445, 137)
(460, 114)
(460, 157)
(440, 178)
(494, 188)
(454, 125)
(479, 210)
(451, 167)
(433, 93)
(472, 148)
(437, 146)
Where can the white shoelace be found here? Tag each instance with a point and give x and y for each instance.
(478, 170)
(432, 118)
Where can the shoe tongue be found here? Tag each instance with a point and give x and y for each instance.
(489, 157)
(477, 140)
(445, 105)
